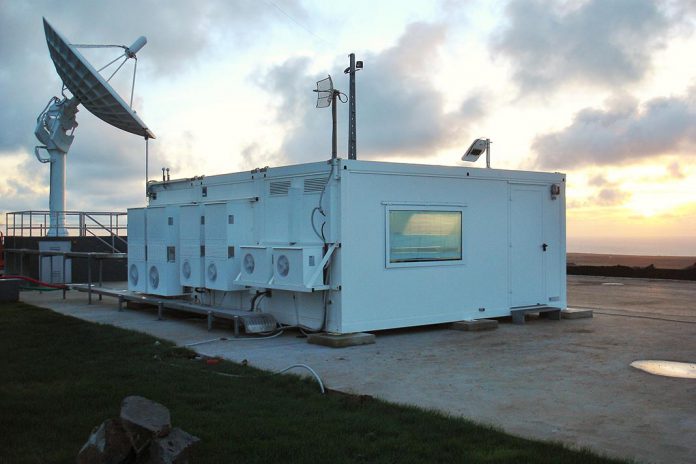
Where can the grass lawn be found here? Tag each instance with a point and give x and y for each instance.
(61, 376)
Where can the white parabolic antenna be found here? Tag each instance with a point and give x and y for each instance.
(56, 123)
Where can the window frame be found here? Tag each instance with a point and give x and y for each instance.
(422, 206)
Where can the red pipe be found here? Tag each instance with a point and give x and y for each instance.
(34, 281)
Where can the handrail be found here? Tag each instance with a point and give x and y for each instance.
(77, 223)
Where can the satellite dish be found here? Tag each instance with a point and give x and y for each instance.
(325, 92)
(326, 96)
(56, 123)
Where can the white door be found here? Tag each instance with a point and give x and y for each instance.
(527, 247)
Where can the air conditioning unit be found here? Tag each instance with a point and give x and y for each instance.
(162, 232)
(137, 260)
(227, 226)
(294, 266)
(192, 244)
(256, 266)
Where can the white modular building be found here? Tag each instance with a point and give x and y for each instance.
(351, 245)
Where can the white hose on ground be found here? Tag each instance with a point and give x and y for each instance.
(304, 366)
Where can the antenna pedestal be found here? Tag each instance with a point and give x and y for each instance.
(52, 128)
(56, 199)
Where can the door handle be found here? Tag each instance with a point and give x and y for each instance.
(544, 246)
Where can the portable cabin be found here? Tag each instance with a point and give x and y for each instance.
(351, 245)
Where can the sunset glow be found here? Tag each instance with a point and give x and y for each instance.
(604, 91)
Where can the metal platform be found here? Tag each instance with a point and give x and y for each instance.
(251, 322)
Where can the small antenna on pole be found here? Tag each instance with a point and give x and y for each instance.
(327, 96)
(352, 122)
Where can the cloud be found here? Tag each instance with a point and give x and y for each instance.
(611, 196)
(624, 132)
(106, 166)
(597, 42)
(675, 171)
(399, 109)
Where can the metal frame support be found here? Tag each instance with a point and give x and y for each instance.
(89, 279)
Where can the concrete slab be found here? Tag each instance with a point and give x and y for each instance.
(576, 313)
(9, 290)
(475, 326)
(505, 377)
(341, 340)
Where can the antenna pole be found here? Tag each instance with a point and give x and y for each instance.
(352, 135)
(147, 163)
(488, 153)
(334, 146)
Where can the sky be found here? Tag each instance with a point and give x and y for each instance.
(602, 90)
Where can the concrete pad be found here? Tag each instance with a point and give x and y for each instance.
(508, 377)
(475, 326)
(9, 290)
(341, 340)
(576, 313)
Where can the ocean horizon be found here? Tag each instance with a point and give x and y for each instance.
(640, 246)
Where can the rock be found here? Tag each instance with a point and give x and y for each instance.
(108, 444)
(144, 420)
(175, 448)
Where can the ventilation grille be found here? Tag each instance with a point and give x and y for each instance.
(314, 185)
(280, 187)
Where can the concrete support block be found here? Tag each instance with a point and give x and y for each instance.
(9, 290)
(138, 305)
(341, 340)
(474, 326)
(519, 315)
(576, 313)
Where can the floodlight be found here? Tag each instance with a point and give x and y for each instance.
(477, 148)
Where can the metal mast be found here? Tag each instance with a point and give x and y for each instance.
(352, 120)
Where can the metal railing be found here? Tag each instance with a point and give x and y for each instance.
(107, 226)
(89, 256)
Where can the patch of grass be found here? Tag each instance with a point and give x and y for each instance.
(61, 376)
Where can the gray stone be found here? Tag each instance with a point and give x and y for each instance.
(108, 444)
(341, 340)
(478, 324)
(175, 448)
(144, 420)
(576, 313)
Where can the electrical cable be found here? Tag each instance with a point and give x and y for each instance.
(33, 281)
(645, 317)
(239, 376)
(320, 207)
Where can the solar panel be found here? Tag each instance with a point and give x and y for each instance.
(90, 88)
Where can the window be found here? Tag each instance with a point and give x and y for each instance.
(171, 254)
(428, 235)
